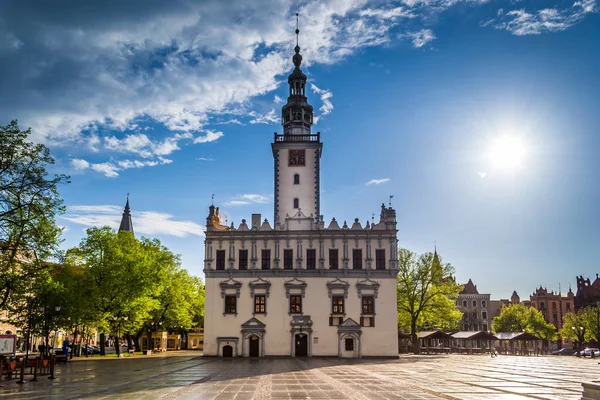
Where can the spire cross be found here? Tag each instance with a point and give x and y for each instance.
(213, 199)
(128, 196)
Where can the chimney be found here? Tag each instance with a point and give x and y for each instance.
(255, 221)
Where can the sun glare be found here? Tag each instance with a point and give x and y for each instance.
(507, 152)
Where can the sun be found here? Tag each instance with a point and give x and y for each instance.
(507, 152)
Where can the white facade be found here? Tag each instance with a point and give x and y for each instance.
(298, 288)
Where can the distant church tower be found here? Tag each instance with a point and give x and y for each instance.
(126, 223)
(297, 153)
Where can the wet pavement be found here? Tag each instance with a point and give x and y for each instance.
(186, 375)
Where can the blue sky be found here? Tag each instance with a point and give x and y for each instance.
(174, 101)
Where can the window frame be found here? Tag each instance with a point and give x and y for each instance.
(298, 304)
(220, 260)
(311, 259)
(370, 308)
(296, 203)
(243, 261)
(258, 304)
(380, 259)
(286, 253)
(357, 262)
(296, 179)
(265, 262)
(336, 258)
(228, 310)
(336, 304)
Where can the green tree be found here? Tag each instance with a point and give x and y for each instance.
(29, 203)
(512, 318)
(538, 326)
(426, 294)
(575, 327)
(125, 277)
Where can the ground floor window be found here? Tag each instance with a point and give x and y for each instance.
(349, 344)
(260, 304)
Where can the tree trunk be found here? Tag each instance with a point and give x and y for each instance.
(136, 342)
(413, 337)
(102, 344)
(117, 346)
(129, 342)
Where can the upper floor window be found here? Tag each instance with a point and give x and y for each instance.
(484, 316)
(368, 304)
(357, 259)
(554, 305)
(296, 179)
(296, 203)
(380, 259)
(333, 259)
(260, 304)
(230, 304)
(483, 303)
(220, 259)
(295, 304)
(311, 258)
(464, 303)
(266, 259)
(542, 305)
(243, 260)
(568, 307)
(474, 303)
(337, 304)
(288, 259)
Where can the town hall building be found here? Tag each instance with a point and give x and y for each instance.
(297, 286)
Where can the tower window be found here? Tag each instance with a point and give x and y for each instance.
(296, 203)
(296, 179)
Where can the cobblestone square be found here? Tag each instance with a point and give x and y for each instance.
(186, 375)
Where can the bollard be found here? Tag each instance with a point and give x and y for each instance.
(52, 364)
(35, 370)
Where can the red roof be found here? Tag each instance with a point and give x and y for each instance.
(470, 288)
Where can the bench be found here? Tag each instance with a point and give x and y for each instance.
(130, 351)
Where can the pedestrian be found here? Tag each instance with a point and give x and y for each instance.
(65, 348)
(41, 348)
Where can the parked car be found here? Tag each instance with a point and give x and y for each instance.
(564, 352)
(588, 352)
(90, 349)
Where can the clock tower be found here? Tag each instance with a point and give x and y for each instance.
(297, 153)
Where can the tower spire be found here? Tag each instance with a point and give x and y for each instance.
(297, 114)
(126, 223)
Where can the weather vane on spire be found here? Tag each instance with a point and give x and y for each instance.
(297, 28)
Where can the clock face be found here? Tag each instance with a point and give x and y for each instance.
(297, 158)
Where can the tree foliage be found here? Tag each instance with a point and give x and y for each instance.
(518, 318)
(426, 294)
(29, 203)
(576, 326)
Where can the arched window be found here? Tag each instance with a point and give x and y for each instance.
(8, 333)
(296, 179)
(296, 203)
(542, 305)
(483, 304)
(474, 303)
(464, 303)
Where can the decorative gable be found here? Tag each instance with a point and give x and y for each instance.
(230, 285)
(337, 286)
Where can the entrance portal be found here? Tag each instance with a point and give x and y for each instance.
(253, 346)
(227, 351)
(301, 349)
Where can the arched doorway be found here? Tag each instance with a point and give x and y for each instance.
(227, 351)
(253, 346)
(301, 343)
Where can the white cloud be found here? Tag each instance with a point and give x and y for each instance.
(79, 164)
(205, 159)
(420, 38)
(269, 118)
(176, 64)
(521, 22)
(144, 222)
(378, 181)
(245, 199)
(110, 169)
(210, 136)
(482, 175)
(325, 96)
(278, 100)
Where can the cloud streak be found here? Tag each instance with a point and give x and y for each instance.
(245, 199)
(378, 181)
(144, 222)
